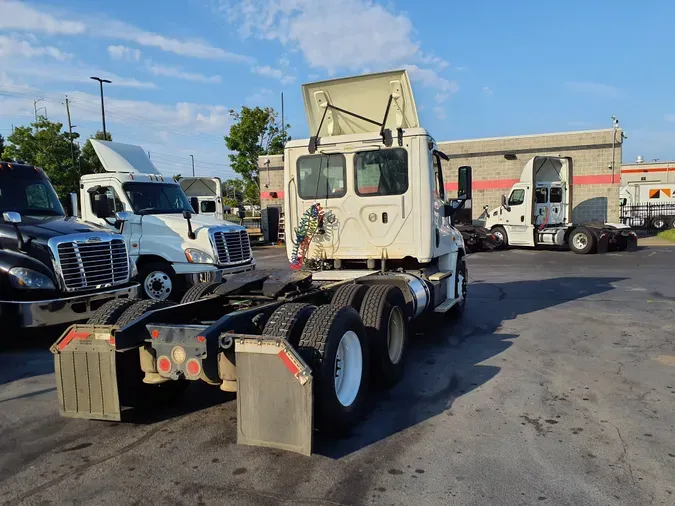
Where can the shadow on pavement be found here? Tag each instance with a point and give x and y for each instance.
(444, 361)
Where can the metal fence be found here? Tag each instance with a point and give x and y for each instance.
(649, 217)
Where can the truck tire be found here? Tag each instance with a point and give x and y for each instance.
(140, 308)
(198, 291)
(383, 315)
(157, 281)
(349, 295)
(582, 241)
(288, 321)
(659, 223)
(672, 223)
(500, 233)
(334, 344)
(109, 312)
(461, 288)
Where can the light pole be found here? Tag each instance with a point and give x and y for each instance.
(101, 81)
(193, 165)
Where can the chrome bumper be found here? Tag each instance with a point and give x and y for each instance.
(44, 313)
(219, 274)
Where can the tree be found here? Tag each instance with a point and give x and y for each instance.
(2, 146)
(89, 161)
(45, 145)
(255, 132)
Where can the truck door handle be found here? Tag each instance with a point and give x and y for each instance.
(522, 218)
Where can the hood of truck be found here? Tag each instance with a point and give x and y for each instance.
(366, 96)
(167, 234)
(37, 231)
(120, 157)
(201, 186)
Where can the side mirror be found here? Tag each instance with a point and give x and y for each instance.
(194, 202)
(187, 215)
(505, 204)
(11, 217)
(101, 208)
(464, 182)
(123, 216)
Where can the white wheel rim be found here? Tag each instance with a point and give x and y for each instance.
(498, 235)
(658, 223)
(348, 368)
(158, 285)
(396, 335)
(580, 241)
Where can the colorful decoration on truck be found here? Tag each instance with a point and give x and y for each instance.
(304, 232)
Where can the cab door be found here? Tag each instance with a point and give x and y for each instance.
(516, 216)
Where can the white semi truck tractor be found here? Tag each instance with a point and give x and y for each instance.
(372, 247)
(538, 212)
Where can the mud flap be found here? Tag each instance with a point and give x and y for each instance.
(274, 395)
(85, 369)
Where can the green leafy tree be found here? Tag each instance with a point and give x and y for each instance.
(255, 132)
(45, 145)
(89, 161)
(2, 146)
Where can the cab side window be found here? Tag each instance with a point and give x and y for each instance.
(114, 203)
(517, 197)
(439, 190)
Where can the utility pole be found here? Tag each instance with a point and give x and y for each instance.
(70, 132)
(101, 81)
(35, 107)
(193, 165)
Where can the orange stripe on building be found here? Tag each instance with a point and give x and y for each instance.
(640, 171)
(272, 195)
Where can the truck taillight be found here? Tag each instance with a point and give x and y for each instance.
(193, 368)
(164, 364)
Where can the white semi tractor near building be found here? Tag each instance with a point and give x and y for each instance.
(374, 248)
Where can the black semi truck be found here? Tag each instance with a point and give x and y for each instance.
(54, 269)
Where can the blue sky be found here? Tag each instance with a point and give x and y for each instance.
(480, 69)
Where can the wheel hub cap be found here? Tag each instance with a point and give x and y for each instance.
(396, 335)
(348, 368)
(158, 285)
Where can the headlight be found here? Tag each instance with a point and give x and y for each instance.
(196, 256)
(23, 278)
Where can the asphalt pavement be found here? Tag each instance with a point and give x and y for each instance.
(557, 387)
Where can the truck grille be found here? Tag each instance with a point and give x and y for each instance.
(232, 247)
(85, 265)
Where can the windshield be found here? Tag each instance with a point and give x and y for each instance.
(29, 197)
(156, 198)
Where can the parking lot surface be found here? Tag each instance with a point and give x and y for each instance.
(557, 387)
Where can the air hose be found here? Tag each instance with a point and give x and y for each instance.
(304, 232)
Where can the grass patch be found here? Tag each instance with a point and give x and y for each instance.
(668, 235)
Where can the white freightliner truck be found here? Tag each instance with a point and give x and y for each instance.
(538, 211)
(373, 248)
(172, 248)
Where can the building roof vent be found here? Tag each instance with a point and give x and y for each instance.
(639, 159)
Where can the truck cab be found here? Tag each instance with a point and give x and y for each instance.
(538, 211)
(206, 193)
(54, 269)
(172, 247)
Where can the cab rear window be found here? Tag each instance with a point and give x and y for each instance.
(322, 176)
(381, 172)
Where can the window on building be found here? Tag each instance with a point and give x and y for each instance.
(322, 176)
(541, 194)
(381, 172)
(556, 195)
(517, 197)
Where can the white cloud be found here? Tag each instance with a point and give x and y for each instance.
(435, 61)
(73, 73)
(192, 48)
(440, 112)
(670, 118)
(267, 71)
(20, 16)
(124, 53)
(346, 34)
(487, 90)
(461, 69)
(593, 88)
(431, 79)
(284, 62)
(261, 97)
(161, 70)
(14, 47)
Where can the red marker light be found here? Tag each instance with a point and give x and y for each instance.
(201, 339)
(155, 334)
(193, 367)
(164, 364)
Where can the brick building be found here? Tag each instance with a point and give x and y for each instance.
(498, 162)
